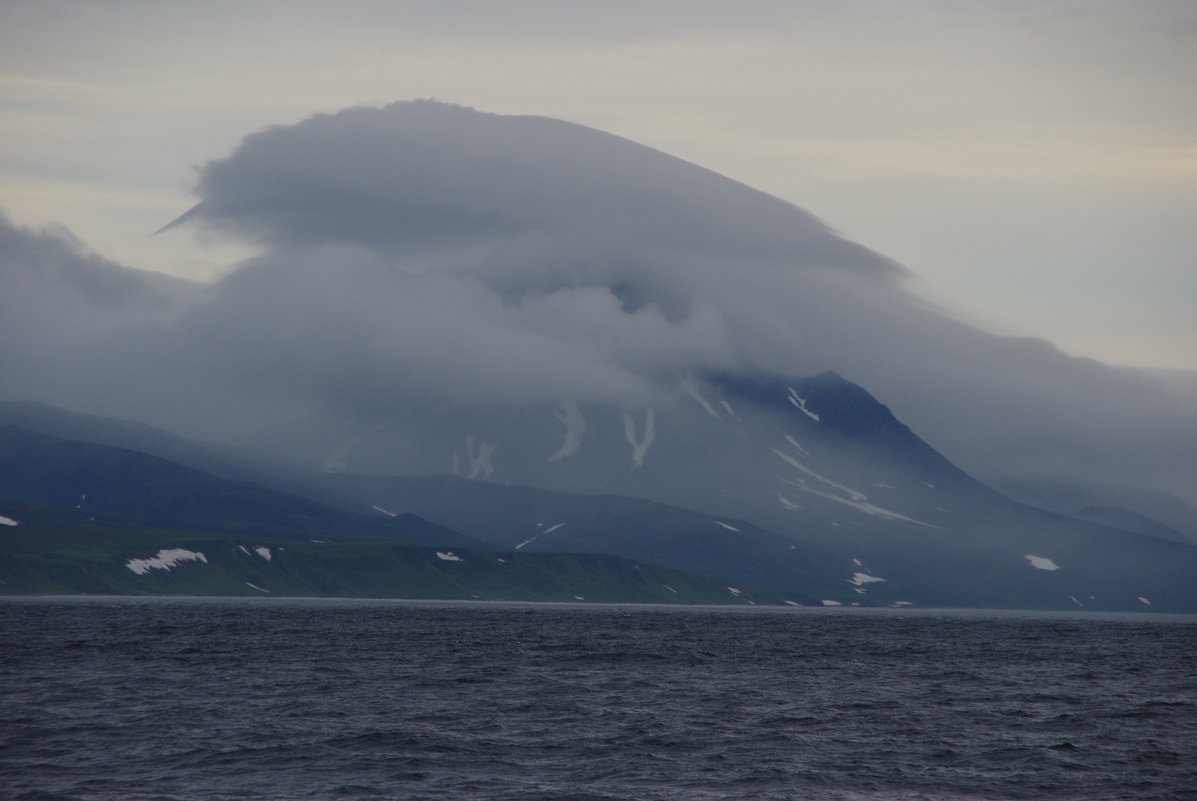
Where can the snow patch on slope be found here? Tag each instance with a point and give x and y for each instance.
(727, 526)
(855, 495)
(639, 445)
(1042, 562)
(795, 443)
(335, 461)
(856, 498)
(479, 458)
(575, 426)
(448, 556)
(786, 502)
(691, 388)
(165, 560)
(8, 521)
(800, 402)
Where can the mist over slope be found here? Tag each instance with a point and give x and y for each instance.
(422, 256)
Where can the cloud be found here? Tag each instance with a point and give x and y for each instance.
(432, 255)
(59, 300)
(413, 179)
(541, 258)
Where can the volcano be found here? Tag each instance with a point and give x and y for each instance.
(545, 336)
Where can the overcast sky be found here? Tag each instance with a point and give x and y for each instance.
(1034, 164)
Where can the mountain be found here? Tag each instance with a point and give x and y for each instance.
(1161, 512)
(1128, 520)
(421, 258)
(550, 338)
(829, 500)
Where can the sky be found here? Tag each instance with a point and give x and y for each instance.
(1033, 164)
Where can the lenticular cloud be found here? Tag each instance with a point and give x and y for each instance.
(534, 256)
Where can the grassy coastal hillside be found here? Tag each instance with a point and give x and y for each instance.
(57, 559)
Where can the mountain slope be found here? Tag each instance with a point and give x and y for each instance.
(85, 517)
(118, 484)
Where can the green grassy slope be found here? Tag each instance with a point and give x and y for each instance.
(44, 559)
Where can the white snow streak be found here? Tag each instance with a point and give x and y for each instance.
(335, 461)
(551, 529)
(8, 521)
(726, 525)
(794, 442)
(256, 587)
(575, 426)
(861, 579)
(730, 410)
(480, 459)
(386, 512)
(671, 589)
(855, 495)
(1042, 562)
(867, 508)
(525, 542)
(691, 388)
(786, 502)
(855, 498)
(800, 402)
(735, 592)
(448, 556)
(264, 552)
(831, 603)
(165, 560)
(1143, 600)
(639, 448)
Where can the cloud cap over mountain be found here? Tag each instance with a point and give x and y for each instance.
(422, 252)
(421, 175)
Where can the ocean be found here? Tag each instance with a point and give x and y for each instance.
(187, 699)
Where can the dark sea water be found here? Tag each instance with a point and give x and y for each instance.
(277, 699)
